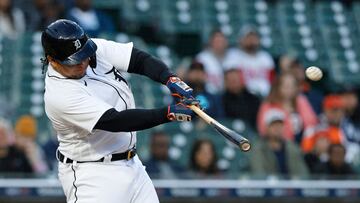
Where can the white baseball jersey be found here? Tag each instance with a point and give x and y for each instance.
(214, 70)
(75, 105)
(256, 69)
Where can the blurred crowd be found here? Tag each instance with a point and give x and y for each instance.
(19, 16)
(302, 130)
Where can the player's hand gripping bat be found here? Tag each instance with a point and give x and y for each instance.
(229, 134)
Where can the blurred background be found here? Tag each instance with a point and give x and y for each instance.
(245, 60)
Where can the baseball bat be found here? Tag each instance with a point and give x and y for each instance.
(229, 134)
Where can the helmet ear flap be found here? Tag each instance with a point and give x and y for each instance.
(92, 62)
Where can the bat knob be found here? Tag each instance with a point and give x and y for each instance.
(245, 146)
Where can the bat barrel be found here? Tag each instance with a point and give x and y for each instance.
(244, 145)
(229, 134)
(232, 136)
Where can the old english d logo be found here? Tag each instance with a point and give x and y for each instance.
(77, 44)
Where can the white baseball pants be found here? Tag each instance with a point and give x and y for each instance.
(111, 182)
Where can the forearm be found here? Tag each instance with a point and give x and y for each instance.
(144, 64)
(131, 119)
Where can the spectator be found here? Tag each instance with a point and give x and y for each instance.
(26, 131)
(90, 19)
(285, 96)
(238, 102)
(313, 95)
(51, 12)
(336, 167)
(49, 148)
(257, 65)
(12, 20)
(283, 64)
(196, 79)
(331, 122)
(351, 125)
(12, 160)
(213, 58)
(320, 152)
(203, 159)
(40, 13)
(159, 165)
(352, 108)
(275, 155)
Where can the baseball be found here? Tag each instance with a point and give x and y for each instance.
(313, 73)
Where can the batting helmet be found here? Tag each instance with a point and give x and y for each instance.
(66, 42)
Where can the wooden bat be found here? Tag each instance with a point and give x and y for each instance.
(229, 134)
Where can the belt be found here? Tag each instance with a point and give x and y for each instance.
(114, 157)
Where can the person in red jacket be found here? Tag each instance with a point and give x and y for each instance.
(285, 96)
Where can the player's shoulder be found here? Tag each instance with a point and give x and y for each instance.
(104, 46)
(101, 42)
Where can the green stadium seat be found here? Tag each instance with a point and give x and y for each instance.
(107, 4)
(144, 11)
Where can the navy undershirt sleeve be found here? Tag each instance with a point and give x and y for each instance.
(144, 64)
(131, 119)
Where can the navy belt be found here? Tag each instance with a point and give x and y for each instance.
(114, 157)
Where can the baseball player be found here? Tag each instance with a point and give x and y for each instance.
(92, 109)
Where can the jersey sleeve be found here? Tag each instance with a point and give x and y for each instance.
(78, 109)
(117, 54)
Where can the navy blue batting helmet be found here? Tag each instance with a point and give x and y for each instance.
(67, 43)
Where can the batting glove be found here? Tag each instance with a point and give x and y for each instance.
(179, 112)
(179, 89)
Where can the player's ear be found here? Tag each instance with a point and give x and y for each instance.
(51, 60)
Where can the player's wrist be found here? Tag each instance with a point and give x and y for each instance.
(179, 112)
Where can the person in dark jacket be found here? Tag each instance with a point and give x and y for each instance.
(238, 102)
(275, 155)
(160, 165)
(93, 21)
(12, 159)
(196, 78)
(335, 167)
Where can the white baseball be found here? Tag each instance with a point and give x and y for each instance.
(313, 73)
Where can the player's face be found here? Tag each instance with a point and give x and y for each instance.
(74, 71)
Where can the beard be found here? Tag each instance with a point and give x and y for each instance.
(251, 48)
